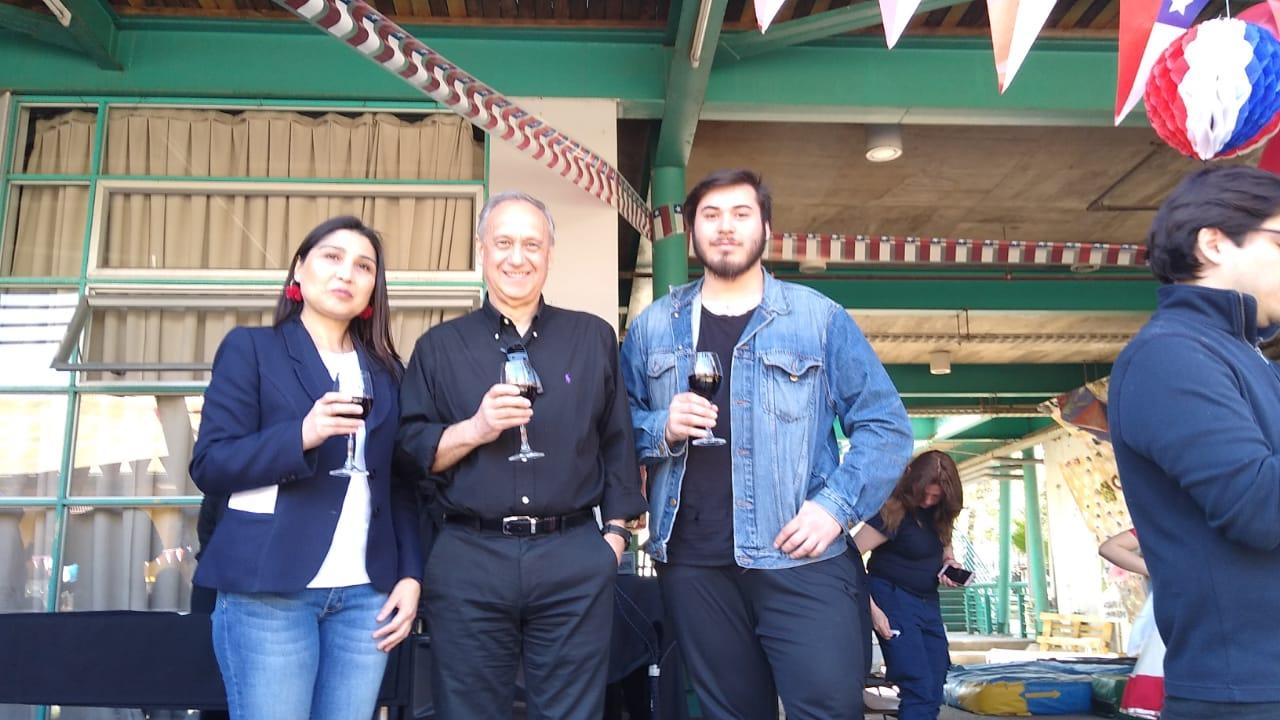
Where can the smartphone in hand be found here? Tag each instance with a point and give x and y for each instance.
(957, 575)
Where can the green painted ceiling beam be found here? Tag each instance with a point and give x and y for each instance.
(941, 293)
(92, 31)
(93, 25)
(858, 16)
(686, 84)
(944, 80)
(922, 80)
(1004, 428)
(38, 26)
(1029, 382)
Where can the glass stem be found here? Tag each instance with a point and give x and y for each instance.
(524, 441)
(351, 451)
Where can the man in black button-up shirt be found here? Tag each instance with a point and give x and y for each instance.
(520, 568)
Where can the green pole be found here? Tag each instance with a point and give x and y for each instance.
(1006, 541)
(1035, 544)
(670, 254)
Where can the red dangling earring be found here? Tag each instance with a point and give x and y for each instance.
(367, 312)
(294, 292)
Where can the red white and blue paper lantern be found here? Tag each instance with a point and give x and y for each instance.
(1215, 91)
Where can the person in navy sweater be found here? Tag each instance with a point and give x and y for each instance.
(910, 545)
(1194, 414)
(317, 574)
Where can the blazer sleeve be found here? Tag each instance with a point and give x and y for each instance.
(234, 450)
(406, 516)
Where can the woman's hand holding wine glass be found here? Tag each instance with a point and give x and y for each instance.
(333, 414)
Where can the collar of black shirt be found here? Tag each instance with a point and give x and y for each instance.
(505, 330)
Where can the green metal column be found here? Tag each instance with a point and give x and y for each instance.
(670, 254)
(1006, 541)
(1035, 544)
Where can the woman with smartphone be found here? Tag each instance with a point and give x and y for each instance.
(910, 545)
(315, 558)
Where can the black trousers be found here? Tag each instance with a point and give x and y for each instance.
(750, 636)
(493, 599)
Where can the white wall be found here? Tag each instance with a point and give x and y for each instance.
(584, 267)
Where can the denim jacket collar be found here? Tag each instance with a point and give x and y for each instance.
(774, 302)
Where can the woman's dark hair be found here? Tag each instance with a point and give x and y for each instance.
(374, 334)
(728, 178)
(928, 468)
(1234, 199)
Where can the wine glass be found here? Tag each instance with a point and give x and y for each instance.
(705, 382)
(360, 387)
(518, 371)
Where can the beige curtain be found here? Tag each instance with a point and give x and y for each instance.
(246, 231)
(120, 335)
(49, 239)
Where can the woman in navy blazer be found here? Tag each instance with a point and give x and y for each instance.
(318, 576)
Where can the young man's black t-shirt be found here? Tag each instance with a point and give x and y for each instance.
(703, 530)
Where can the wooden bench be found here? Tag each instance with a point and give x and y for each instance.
(1077, 633)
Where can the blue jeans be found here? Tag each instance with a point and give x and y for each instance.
(307, 655)
(917, 660)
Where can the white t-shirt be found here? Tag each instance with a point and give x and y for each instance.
(344, 565)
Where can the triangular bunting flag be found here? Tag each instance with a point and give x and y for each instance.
(1146, 29)
(896, 14)
(1014, 27)
(766, 11)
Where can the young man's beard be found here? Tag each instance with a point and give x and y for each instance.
(727, 269)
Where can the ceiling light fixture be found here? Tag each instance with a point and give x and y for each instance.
(884, 143)
(940, 362)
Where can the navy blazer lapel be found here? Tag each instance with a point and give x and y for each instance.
(306, 360)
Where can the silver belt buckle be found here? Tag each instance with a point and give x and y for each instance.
(512, 524)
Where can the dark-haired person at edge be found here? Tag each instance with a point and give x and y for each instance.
(1194, 415)
(317, 574)
(750, 536)
(520, 570)
(910, 544)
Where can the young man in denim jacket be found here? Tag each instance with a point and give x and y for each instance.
(750, 536)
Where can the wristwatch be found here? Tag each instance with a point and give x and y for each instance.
(619, 530)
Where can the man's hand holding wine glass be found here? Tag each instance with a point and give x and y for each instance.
(502, 408)
(689, 416)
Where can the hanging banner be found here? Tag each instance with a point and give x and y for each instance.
(896, 15)
(766, 11)
(1014, 27)
(1147, 27)
(387, 44)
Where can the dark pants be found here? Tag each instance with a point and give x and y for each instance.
(750, 636)
(1183, 709)
(917, 660)
(492, 599)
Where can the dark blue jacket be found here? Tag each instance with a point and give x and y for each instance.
(1195, 419)
(264, 382)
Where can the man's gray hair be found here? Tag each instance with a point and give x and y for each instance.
(514, 196)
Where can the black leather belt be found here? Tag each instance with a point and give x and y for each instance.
(523, 525)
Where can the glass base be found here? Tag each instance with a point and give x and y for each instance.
(526, 456)
(711, 441)
(348, 471)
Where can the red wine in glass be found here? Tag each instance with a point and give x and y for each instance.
(362, 395)
(366, 405)
(705, 382)
(518, 371)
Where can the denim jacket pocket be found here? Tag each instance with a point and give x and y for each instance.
(790, 384)
(663, 383)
